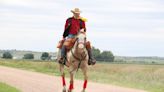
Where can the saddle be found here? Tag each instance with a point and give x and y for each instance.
(68, 43)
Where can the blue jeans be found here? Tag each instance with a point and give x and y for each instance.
(71, 36)
(63, 49)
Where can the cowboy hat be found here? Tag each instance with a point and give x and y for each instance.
(76, 10)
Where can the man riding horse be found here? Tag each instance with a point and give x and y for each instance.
(72, 27)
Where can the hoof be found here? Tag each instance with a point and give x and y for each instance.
(70, 90)
(83, 90)
(64, 90)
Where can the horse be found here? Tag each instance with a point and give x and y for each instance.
(77, 57)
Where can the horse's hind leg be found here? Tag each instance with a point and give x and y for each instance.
(84, 70)
(63, 77)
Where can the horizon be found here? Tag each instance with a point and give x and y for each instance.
(56, 52)
(126, 28)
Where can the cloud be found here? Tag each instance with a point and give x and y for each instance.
(129, 6)
(36, 4)
(16, 2)
(117, 25)
(26, 18)
(150, 35)
(25, 39)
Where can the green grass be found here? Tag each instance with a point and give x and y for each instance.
(146, 77)
(6, 88)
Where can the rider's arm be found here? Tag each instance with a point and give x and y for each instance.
(67, 24)
(83, 26)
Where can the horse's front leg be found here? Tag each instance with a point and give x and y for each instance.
(63, 77)
(84, 70)
(71, 86)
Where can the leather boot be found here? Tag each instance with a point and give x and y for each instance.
(63, 54)
(91, 60)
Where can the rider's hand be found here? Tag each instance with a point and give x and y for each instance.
(63, 38)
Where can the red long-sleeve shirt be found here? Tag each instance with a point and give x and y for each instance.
(75, 25)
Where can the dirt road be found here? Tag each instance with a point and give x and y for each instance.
(28, 81)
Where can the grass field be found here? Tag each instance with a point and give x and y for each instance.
(6, 88)
(146, 77)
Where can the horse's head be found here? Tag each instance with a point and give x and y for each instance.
(81, 39)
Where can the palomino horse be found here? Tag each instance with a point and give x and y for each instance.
(77, 58)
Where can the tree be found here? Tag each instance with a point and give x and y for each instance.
(7, 55)
(107, 56)
(96, 53)
(44, 56)
(104, 56)
(28, 56)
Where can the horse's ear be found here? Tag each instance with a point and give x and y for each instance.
(82, 30)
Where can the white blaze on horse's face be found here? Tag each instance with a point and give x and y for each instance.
(81, 40)
(81, 46)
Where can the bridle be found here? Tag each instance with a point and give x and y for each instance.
(82, 55)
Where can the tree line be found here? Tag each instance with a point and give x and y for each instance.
(105, 56)
(44, 56)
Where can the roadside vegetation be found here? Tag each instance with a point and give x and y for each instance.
(148, 77)
(6, 88)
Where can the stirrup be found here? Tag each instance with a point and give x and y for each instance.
(62, 61)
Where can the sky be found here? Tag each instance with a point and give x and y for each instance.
(125, 27)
